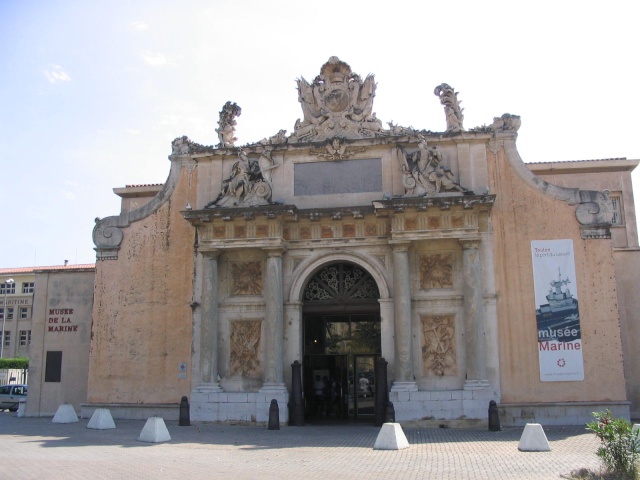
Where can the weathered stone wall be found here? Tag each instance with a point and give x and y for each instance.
(142, 315)
(522, 213)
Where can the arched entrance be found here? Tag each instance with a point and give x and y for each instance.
(341, 341)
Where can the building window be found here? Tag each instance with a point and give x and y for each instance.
(25, 337)
(27, 287)
(7, 338)
(9, 313)
(24, 313)
(7, 288)
(618, 214)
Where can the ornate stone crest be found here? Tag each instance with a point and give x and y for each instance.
(338, 103)
(335, 150)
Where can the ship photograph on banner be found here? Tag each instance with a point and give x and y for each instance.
(557, 312)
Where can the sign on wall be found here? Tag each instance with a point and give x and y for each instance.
(557, 313)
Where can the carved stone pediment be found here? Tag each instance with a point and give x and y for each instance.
(338, 103)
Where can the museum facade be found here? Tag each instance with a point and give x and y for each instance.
(307, 259)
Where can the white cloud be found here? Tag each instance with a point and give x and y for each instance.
(133, 131)
(56, 74)
(154, 59)
(138, 25)
(68, 195)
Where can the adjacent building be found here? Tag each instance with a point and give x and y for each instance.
(49, 321)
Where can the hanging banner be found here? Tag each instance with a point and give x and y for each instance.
(557, 314)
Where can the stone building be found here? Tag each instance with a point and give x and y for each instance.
(346, 242)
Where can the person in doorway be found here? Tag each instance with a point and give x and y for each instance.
(364, 383)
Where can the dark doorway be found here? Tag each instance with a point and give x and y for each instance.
(341, 328)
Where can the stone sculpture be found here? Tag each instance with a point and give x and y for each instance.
(424, 173)
(453, 112)
(249, 183)
(506, 122)
(227, 123)
(338, 103)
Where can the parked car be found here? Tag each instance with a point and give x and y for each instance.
(10, 396)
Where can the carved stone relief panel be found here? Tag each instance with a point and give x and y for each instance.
(439, 348)
(239, 231)
(262, 231)
(244, 349)
(219, 232)
(348, 230)
(246, 278)
(436, 271)
(326, 231)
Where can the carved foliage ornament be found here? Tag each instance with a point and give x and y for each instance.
(245, 345)
(436, 271)
(438, 351)
(246, 278)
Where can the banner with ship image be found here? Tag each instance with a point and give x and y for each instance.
(557, 314)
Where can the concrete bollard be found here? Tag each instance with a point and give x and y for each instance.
(185, 418)
(274, 415)
(22, 406)
(494, 417)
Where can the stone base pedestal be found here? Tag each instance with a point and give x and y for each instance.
(239, 407)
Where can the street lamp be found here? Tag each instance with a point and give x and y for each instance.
(7, 283)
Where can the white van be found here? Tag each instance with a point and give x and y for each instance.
(10, 396)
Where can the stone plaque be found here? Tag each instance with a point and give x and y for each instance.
(345, 176)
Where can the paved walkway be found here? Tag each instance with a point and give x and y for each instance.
(35, 448)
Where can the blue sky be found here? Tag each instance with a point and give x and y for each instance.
(92, 93)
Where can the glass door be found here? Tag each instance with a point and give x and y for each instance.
(364, 385)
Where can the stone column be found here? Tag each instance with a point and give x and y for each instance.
(475, 343)
(274, 323)
(209, 323)
(403, 365)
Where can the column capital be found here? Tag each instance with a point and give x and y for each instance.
(469, 243)
(274, 251)
(400, 245)
(210, 253)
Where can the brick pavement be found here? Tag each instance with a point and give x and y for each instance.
(35, 448)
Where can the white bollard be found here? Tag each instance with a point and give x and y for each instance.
(22, 406)
(154, 431)
(101, 420)
(391, 437)
(533, 439)
(65, 414)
